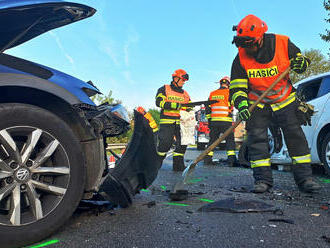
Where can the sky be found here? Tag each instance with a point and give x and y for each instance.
(132, 47)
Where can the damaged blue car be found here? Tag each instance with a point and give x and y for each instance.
(53, 136)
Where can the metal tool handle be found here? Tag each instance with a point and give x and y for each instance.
(190, 168)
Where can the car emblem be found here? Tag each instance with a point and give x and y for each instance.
(22, 174)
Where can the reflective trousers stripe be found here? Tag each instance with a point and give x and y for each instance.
(210, 153)
(169, 121)
(231, 152)
(260, 163)
(302, 159)
(175, 154)
(161, 153)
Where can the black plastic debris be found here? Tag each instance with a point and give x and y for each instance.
(179, 195)
(233, 205)
(240, 189)
(282, 220)
(95, 207)
(150, 204)
(327, 239)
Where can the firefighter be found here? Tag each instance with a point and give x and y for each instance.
(219, 117)
(170, 99)
(261, 58)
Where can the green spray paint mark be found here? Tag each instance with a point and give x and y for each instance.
(163, 187)
(196, 180)
(205, 200)
(145, 190)
(175, 204)
(45, 244)
(325, 180)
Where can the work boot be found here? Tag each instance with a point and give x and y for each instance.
(232, 161)
(208, 160)
(178, 163)
(260, 187)
(309, 186)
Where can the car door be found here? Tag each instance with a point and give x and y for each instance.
(315, 92)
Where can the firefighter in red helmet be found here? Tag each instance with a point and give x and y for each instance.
(170, 98)
(261, 58)
(219, 116)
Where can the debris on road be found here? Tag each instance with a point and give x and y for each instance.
(282, 220)
(233, 205)
(150, 204)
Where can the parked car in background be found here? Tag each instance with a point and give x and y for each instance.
(314, 90)
(202, 129)
(53, 136)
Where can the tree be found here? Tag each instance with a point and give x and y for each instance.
(155, 114)
(326, 36)
(319, 64)
(99, 98)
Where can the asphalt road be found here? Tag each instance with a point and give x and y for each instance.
(160, 224)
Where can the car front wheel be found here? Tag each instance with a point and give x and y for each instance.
(42, 174)
(325, 153)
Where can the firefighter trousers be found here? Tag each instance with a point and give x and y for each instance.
(218, 127)
(167, 133)
(294, 138)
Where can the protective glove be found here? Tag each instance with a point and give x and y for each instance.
(300, 63)
(305, 112)
(243, 110)
(176, 106)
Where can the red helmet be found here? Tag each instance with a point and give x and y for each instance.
(180, 73)
(249, 31)
(225, 80)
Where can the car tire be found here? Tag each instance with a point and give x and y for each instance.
(325, 151)
(54, 174)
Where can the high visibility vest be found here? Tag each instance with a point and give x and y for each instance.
(173, 96)
(222, 108)
(261, 76)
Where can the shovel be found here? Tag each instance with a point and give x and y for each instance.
(179, 187)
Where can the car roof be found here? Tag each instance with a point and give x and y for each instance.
(312, 78)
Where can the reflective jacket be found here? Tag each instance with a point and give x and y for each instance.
(261, 76)
(220, 111)
(166, 98)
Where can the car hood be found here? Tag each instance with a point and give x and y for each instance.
(22, 20)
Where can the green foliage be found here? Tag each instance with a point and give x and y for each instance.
(155, 114)
(319, 64)
(99, 99)
(326, 36)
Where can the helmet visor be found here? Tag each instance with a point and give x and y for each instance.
(185, 77)
(244, 41)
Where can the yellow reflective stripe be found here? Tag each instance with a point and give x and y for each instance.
(162, 102)
(171, 111)
(169, 121)
(231, 152)
(302, 159)
(277, 106)
(155, 130)
(230, 119)
(239, 93)
(208, 116)
(260, 163)
(239, 83)
(176, 154)
(260, 105)
(161, 153)
(210, 153)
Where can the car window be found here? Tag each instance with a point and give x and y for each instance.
(325, 87)
(309, 90)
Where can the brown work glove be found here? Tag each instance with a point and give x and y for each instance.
(305, 112)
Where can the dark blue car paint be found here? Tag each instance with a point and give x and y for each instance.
(72, 85)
